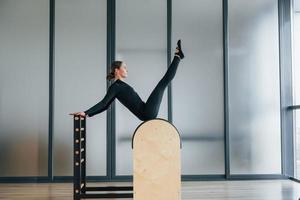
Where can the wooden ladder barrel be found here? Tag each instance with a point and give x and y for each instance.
(156, 161)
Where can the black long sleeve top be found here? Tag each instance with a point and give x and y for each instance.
(125, 94)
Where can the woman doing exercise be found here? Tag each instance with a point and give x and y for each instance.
(128, 96)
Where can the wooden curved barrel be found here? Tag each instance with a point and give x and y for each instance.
(156, 161)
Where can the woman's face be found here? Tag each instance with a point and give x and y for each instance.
(122, 71)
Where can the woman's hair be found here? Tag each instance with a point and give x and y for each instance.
(115, 65)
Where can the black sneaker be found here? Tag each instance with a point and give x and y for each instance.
(179, 53)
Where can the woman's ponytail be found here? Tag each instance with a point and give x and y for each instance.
(114, 65)
(110, 76)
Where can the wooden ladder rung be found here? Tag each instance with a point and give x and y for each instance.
(107, 195)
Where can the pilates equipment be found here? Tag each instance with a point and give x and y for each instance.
(156, 161)
(80, 189)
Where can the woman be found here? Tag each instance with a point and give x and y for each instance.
(127, 95)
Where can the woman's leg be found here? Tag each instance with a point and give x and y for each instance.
(154, 100)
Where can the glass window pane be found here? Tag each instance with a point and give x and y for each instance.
(297, 142)
(296, 57)
(198, 99)
(141, 41)
(297, 5)
(80, 81)
(24, 87)
(254, 90)
(296, 83)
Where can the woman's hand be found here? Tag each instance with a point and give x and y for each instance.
(82, 114)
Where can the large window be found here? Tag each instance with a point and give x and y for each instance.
(197, 89)
(253, 87)
(296, 82)
(24, 78)
(224, 99)
(80, 71)
(141, 41)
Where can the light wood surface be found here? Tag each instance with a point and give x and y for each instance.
(201, 190)
(156, 161)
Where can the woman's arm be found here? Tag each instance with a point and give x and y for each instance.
(104, 103)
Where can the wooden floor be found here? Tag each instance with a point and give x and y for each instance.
(214, 190)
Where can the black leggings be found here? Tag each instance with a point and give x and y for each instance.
(151, 107)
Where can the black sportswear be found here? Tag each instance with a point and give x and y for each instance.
(129, 98)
